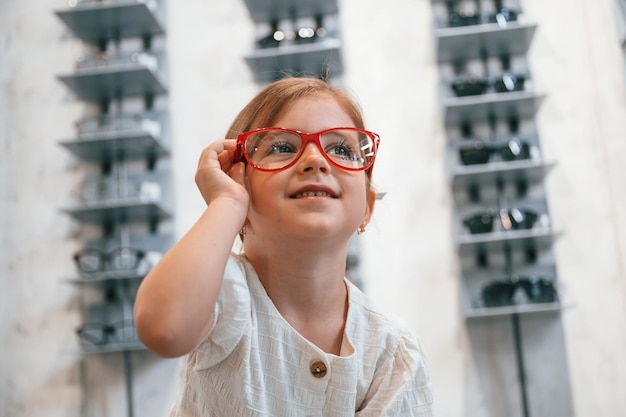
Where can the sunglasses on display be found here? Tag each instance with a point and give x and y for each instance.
(511, 219)
(277, 148)
(503, 16)
(501, 293)
(114, 123)
(481, 152)
(100, 191)
(468, 18)
(464, 18)
(110, 60)
(303, 34)
(92, 261)
(471, 85)
(509, 82)
(103, 334)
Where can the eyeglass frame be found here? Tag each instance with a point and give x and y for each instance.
(241, 154)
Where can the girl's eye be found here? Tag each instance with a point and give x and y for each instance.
(341, 149)
(281, 147)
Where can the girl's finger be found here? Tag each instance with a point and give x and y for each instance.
(221, 150)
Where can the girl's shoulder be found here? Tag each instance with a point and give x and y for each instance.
(365, 309)
(369, 322)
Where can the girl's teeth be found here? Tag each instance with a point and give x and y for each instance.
(313, 194)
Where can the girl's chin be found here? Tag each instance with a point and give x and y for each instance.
(318, 231)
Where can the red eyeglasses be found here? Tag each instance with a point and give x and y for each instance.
(277, 148)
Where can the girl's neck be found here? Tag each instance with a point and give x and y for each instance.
(307, 287)
(299, 272)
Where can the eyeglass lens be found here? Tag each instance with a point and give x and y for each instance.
(275, 149)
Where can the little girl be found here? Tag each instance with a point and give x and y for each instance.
(278, 330)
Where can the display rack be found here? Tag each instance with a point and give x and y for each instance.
(501, 217)
(122, 79)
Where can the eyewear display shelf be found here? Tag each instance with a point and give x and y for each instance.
(121, 78)
(314, 52)
(509, 291)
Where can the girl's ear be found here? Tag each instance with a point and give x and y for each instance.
(369, 207)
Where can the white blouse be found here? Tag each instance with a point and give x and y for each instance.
(253, 363)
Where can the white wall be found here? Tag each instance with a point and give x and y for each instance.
(410, 262)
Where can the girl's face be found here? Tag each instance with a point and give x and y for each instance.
(312, 199)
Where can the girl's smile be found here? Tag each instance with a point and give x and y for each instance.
(315, 190)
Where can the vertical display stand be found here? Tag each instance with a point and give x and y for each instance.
(122, 79)
(509, 284)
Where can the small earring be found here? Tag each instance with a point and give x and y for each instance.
(360, 230)
(243, 231)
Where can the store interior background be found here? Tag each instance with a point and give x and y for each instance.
(409, 261)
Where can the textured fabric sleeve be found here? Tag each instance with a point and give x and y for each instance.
(401, 385)
(231, 319)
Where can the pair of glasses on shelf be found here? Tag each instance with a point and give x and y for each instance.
(302, 35)
(503, 16)
(464, 18)
(95, 334)
(481, 152)
(510, 219)
(110, 60)
(92, 261)
(472, 85)
(501, 293)
(116, 123)
(469, 18)
(111, 191)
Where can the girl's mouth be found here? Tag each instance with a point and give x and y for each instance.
(313, 194)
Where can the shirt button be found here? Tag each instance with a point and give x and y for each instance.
(318, 369)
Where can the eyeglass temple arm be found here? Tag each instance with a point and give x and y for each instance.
(238, 155)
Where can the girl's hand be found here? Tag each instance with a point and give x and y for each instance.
(218, 177)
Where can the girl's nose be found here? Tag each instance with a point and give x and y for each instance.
(313, 159)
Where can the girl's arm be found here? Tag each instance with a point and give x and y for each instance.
(175, 302)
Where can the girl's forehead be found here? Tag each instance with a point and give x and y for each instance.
(318, 112)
